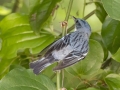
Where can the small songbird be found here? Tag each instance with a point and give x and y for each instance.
(68, 50)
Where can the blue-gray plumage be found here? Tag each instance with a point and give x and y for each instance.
(68, 50)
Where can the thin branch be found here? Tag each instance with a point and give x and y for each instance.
(68, 14)
(16, 6)
(58, 79)
(84, 7)
(63, 78)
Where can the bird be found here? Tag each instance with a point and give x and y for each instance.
(67, 50)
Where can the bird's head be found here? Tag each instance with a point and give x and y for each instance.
(82, 25)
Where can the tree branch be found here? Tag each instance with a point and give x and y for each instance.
(16, 6)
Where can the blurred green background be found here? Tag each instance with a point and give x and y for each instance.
(24, 35)
(6, 7)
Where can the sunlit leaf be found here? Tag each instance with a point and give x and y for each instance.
(16, 35)
(111, 34)
(114, 66)
(71, 81)
(32, 5)
(116, 56)
(91, 88)
(98, 37)
(41, 13)
(22, 79)
(100, 12)
(4, 10)
(113, 81)
(112, 8)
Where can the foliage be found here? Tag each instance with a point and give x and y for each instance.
(30, 29)
(26, 81)
(111, 7)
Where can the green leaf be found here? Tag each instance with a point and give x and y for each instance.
(4, 10)
(28, 6)
(115, 66)
(98, 37)
(49, 71)
(113, 81)
(32, 5)
(17, 35)
(112, 8)
(41, 13)
(22, 79)
(91, 64)
(91, 88)
(71, 81)
(100, 12)
(111, 34)
(116, 56)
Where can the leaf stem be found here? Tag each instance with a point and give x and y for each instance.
(58, 79)
(16, 6)
(84, 7)
(64, 32)
(68, 14)
(62, 78)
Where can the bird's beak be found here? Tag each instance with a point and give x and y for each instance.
(74, 18)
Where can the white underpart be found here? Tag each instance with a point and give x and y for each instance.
(61, 54)
(75, 29)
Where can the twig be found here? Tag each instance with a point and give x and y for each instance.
(84, 7)
(16, 6)
(63, 78)
(58, 79)
(68, 14)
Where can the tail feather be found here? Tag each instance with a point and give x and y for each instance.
(38, 69)
(35, 63)
(40, 65)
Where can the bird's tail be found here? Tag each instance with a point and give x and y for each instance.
(40, 65)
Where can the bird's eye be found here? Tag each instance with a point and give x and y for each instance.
(76, 21)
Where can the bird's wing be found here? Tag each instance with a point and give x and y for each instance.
(58, 45)
(72, 58)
